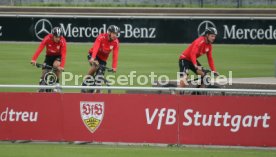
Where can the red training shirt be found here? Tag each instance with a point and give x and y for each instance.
(196, 49)
(102, 48)
(52, 48)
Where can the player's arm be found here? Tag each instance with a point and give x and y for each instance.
(115, 58)
(63, 55)
(211, 62)
(194, 51)
(94, 50)
(39, 50)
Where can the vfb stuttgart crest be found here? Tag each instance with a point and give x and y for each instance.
(92, 114)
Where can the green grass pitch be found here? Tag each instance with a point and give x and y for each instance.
(72, 150)
(162, 59)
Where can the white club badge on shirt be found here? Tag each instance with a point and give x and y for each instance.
(111, 47)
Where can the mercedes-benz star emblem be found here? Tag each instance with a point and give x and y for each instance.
(203, 25)
(42, 28)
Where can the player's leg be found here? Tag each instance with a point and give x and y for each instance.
(99, 77)
(100, 71)
(197, 71)
(183, 70)
(89, 79)
(93, 68)
(47, 61)
(200, 73)
(56, 64)
(42, 80)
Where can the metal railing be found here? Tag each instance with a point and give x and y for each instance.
(171, 90)
(180, 3)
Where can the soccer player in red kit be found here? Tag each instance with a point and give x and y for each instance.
(104, 44)
(55, 45)
(188, 59)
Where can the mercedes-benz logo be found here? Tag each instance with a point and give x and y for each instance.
(42, 28)
(203, 25)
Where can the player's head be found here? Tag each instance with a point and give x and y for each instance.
(113, 31)
(211, 34)
(57, 33)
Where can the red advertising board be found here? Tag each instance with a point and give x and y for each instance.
(172, 119)
(246, 121)
(124, 119)
(30, 116)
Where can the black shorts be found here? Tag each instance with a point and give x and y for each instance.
(185, 66)
(49, 60)
(101, 62)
